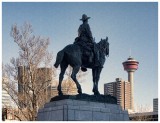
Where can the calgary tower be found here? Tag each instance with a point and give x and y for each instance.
(131, 65)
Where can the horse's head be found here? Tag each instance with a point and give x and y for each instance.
(104, 46)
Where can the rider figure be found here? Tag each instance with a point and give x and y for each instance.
(84, 31)
(85, 34)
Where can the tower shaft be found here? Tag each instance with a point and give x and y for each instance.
(130, 79)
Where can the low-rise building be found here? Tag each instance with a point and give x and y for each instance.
(155, 105)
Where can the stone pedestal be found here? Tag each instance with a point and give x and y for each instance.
(76, 110)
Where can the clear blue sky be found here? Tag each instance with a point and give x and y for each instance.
(128, 25)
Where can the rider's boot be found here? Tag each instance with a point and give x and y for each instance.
(83, 69)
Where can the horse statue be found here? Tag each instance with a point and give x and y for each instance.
(74, 56)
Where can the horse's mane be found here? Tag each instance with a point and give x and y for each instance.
(101, 44)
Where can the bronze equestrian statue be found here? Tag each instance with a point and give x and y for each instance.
(83, 53)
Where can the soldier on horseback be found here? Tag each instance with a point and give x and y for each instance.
(80, 55)
(85, 38)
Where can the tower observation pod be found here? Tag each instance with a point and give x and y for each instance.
(131, 65)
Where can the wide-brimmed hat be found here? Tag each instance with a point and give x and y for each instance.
(84, 17)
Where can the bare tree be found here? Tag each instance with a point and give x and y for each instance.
(141, 117)
(30, 74)
(143, 113)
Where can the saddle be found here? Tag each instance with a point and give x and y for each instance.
(84, 44)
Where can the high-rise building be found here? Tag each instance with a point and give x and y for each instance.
(155, 105)
(131, 65)
(42, 79)
(121, 90)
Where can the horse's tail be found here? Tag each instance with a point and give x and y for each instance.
(59, 58)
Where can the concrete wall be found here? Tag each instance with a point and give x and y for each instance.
(75, 110)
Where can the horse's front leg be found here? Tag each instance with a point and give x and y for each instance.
(94, 80)
(98, 72)
(95, 88)
(96, 77)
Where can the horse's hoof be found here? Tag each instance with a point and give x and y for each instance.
(83, 69)
(96, 93)
(60, 93)
(80, 91)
